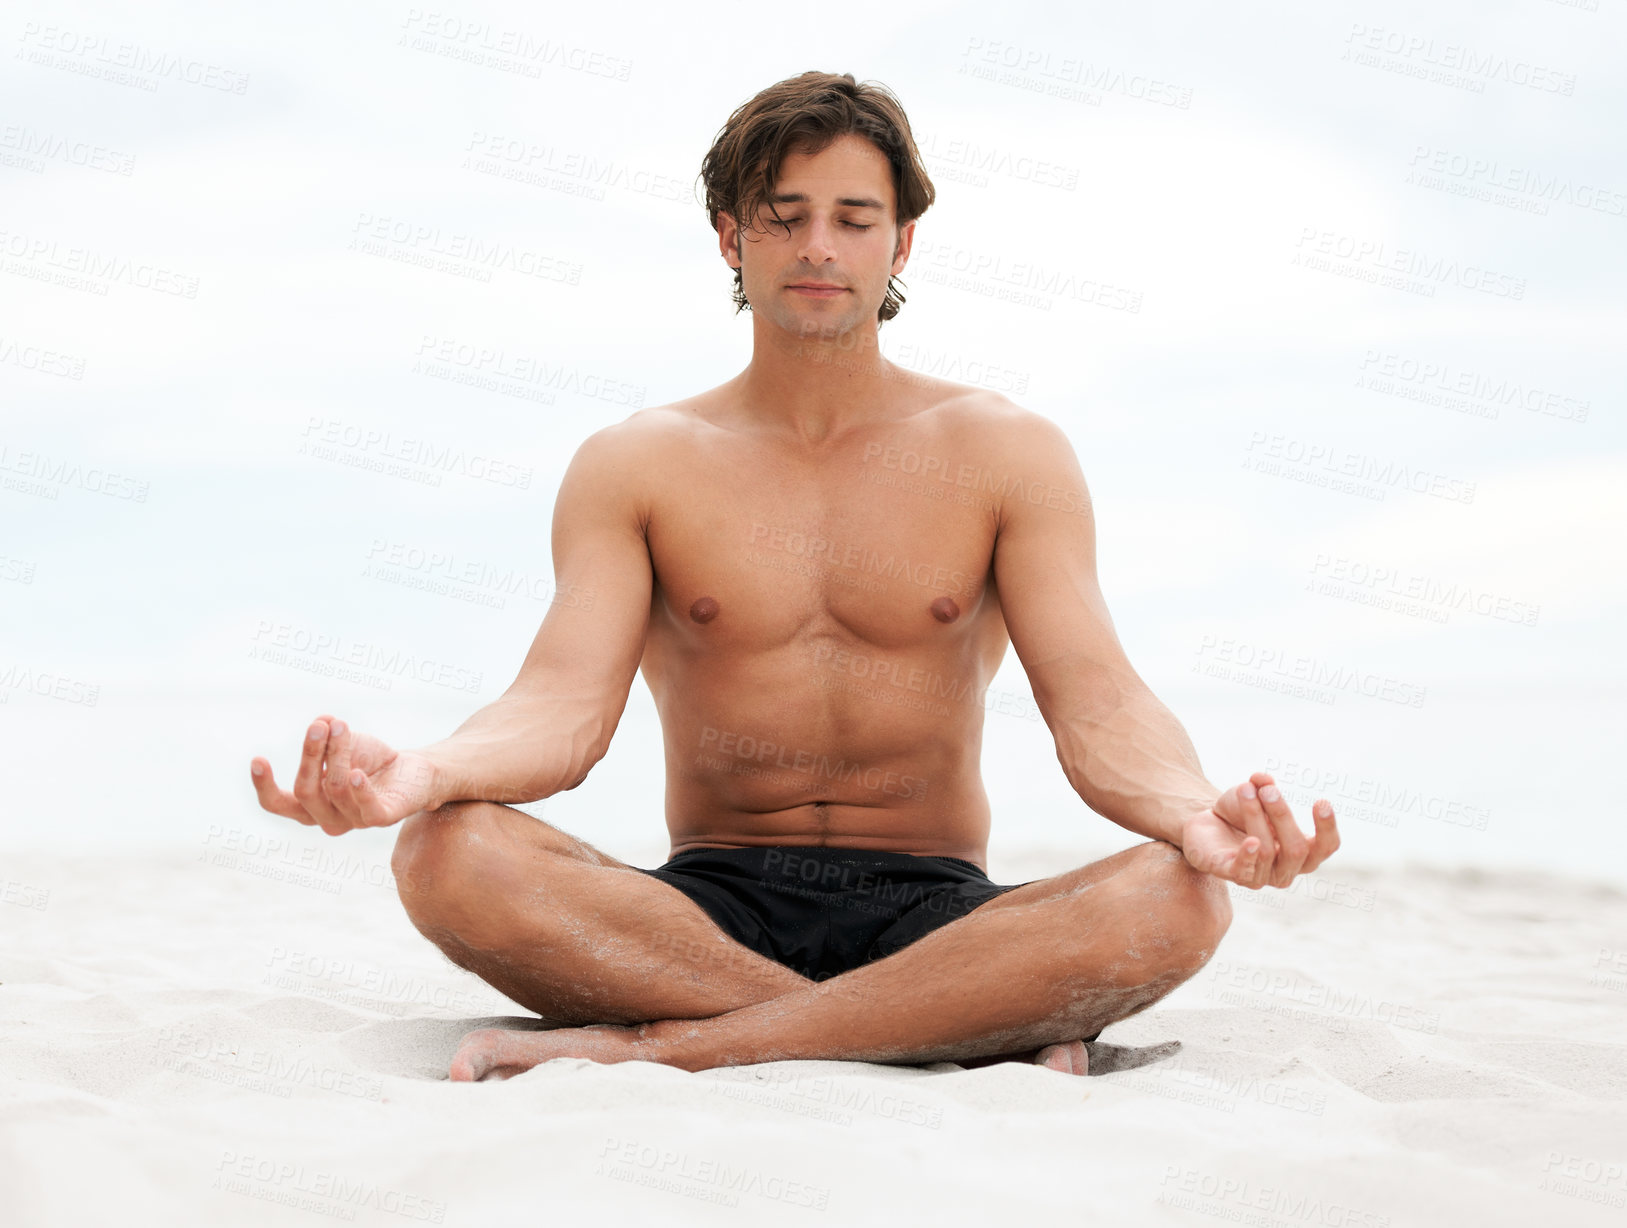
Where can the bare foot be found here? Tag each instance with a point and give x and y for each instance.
(499, 1053)
(1072, 1057)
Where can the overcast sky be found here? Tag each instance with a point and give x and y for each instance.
(262, 272)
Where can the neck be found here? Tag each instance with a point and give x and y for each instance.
(812, 387)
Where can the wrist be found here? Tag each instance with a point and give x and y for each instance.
(1191, 810)
(437, 782)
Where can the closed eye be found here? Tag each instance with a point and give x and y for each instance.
(791, 221)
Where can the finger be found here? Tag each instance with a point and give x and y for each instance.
(369, 805)
(336, 782)
(1292, 846)
(1251, 819)
(308, 780)
(274, 798)
(1326, 842)
(1246, 864)
(1234, 864)
(1209, 861)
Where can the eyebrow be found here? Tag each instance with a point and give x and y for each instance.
(853, 202)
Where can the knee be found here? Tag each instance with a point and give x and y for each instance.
(439, 854)
(1194, 908)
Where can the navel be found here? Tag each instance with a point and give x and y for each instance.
(704, 610)
(945, 610)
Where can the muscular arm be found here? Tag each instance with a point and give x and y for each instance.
(1122, 750)
(555, 721)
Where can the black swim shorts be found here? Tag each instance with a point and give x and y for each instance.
(821, 911)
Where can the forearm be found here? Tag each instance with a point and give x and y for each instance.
(1132, 762)
(518, 749)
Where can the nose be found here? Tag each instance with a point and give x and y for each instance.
(816, 246)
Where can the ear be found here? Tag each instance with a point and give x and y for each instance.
(901, 253)
(728, 240)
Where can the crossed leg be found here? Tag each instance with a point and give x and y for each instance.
(566, 930)
(580, 938)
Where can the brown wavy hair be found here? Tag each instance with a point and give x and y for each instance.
(804, 114)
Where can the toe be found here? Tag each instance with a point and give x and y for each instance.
(1069, 1058)
(475, 1056)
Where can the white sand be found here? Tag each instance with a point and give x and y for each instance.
(197, 1043)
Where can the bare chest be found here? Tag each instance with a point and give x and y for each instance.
(755, 552)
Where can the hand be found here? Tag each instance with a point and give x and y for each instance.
(1249, 836)
(347, 780)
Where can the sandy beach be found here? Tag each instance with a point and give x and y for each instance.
(256, 1035)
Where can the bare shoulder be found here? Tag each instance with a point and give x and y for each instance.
(1011, 451)
(1011, 430)
(986, 419)
(627, 457)
(656, 429)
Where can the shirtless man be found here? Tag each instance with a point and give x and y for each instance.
(818, 566)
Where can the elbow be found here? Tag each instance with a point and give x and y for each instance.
(587, 748)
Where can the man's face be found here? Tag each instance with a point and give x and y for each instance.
(838, 208)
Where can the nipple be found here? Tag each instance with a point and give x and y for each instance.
(704, 610)
(945, 610)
